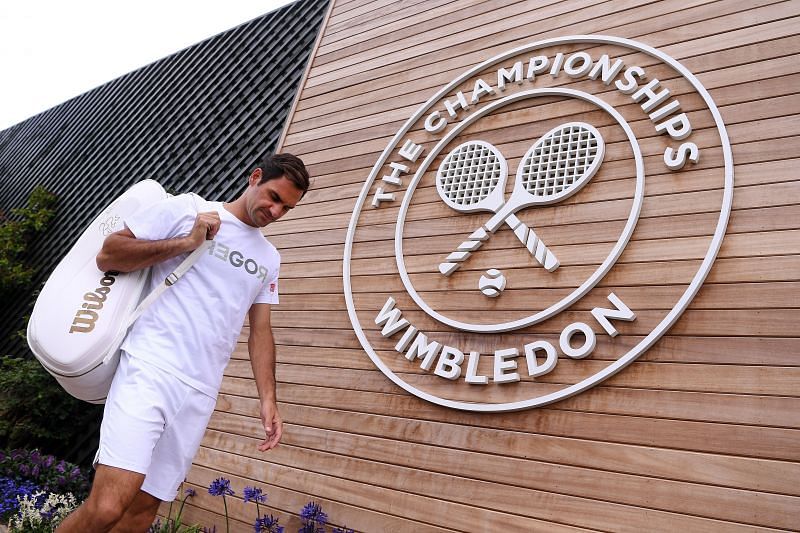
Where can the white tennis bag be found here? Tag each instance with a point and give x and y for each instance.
(82, 314)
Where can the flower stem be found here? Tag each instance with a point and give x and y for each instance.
(227, 525)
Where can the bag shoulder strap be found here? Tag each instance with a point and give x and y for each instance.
(168, 282)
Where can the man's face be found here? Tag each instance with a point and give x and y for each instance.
(269, 201)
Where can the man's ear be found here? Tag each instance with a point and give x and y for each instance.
(255, 176)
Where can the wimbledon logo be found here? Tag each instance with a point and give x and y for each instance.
(538, 224)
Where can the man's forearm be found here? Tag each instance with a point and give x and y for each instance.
(123, 252)
(126, 254)
(262, 359)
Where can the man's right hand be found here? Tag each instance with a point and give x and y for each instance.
(206, 226)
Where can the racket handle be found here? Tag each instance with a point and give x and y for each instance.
(537, 248)
(464, 250)
(540, 252)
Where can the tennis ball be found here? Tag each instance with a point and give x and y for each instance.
(492, 283)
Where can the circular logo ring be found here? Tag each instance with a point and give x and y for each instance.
(587, 285)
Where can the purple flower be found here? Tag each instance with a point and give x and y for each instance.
(10, 490)
(252, 494)
(313, 513)
(35, 456)
(61, 467)
(190, 492)
(220, 487)
(267, 524)
(48, 461)
(35, 471)
(24, 470)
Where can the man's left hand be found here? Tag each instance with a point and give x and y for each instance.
(273, 426)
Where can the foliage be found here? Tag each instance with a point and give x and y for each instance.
(176, 525)
(45, 472)
(35, 412)
(41, 512)
(16, 234)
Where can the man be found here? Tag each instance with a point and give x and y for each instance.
(172, 360)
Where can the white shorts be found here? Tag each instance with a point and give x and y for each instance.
(152, 424)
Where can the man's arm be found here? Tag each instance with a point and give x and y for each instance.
(123, 252)
(261, 345)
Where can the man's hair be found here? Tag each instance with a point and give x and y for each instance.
(276, 165)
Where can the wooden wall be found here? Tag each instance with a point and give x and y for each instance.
(701, 433)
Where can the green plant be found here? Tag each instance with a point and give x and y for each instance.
(15, 235)
(175, 525)
(35, 412)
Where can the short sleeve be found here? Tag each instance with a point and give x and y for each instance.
(269, 290)
(168, 218)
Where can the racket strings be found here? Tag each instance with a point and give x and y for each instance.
(559, 161)
(469, 174)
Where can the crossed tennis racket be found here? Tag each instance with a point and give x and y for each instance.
(473, 178)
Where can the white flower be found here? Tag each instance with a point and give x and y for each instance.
(53, 510)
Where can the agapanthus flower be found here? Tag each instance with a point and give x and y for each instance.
(312, 512)
(253, 494)
(190, 492)
(220, 487)
(267, 524)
